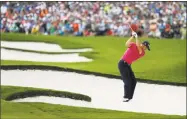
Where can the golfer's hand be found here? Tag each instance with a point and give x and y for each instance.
(134, 34)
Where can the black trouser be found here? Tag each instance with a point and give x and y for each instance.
(128, 78)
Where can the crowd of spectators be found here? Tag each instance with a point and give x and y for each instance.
(153, 19)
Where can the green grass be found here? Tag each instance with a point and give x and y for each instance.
(165, 62)
(13, 92)
(40, 52)
(13, 110)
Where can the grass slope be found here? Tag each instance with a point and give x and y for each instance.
(39, 52)
(13, 110)
(165, 62)
(13, 92)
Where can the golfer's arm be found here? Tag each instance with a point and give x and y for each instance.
(129, 41)
(138, 43)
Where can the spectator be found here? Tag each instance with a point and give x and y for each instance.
(99, 18)
(154, 30)
(35, 28)
(183, 30)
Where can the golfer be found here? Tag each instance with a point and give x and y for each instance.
(135, 51)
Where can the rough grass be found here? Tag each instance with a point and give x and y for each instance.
(13, 110)
(165, 62)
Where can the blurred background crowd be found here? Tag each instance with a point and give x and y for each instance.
(152, 19)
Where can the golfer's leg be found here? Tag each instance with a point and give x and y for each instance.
(133, 83)
(127, 82)
(128, 85)
(123, 71)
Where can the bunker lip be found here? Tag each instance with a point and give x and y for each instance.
(55, 68)
(105, 93)
(55, 100)
(40, 46)
(40, 52)
(30, 56)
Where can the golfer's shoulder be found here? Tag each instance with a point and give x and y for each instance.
(132, 44)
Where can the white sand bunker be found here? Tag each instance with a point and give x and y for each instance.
(55, 100)
(105, 93)
(29, 56)
(40, 46)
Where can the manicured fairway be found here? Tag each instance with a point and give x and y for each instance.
(165, 62)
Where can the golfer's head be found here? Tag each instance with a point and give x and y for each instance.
(146, 45)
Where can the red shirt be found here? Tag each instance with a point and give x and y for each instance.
(132, 54)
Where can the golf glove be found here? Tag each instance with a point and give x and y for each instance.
(134, 34)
